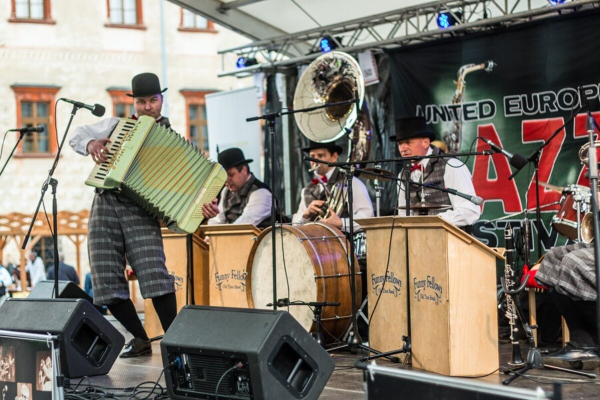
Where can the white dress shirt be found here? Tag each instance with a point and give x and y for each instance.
(36, 271)
(362, 207)
(456, 176)
(256, 210)
(84, 134)
(6, 281)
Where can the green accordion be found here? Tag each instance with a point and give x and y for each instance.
(160, 171)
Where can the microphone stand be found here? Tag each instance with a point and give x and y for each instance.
(593, 171)
(270, 120)
(21, 136)
(52, 182)
(534, 158)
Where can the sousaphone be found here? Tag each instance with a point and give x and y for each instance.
(331, 78)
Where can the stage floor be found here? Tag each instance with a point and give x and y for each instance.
(346, 382)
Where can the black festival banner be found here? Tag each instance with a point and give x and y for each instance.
(515, 86)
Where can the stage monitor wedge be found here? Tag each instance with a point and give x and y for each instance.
(254, 354)
(66, 290)
(89, 343)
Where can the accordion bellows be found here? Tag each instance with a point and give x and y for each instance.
(160, 171)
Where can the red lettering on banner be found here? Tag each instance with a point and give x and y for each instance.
(581, 132)
(499, 188)
(538, 131)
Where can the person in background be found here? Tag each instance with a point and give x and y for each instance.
(5, 282)
(65, 272)
(36, 269)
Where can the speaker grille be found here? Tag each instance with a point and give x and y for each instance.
(206, 372)
(199, 375)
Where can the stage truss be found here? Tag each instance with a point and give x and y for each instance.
(398, 28)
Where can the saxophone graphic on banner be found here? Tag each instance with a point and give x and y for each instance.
(453, 136)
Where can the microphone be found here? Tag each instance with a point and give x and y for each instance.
(28, 129)
(516, 160)
(97, 109)
(473, 199)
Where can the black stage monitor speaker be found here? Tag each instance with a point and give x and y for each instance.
(66, 290)
(242, 354)
(395, 383)
(89, 344)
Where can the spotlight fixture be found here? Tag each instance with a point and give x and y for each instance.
(448, 19)
(244, 62)
(556, 2)
(326, 44)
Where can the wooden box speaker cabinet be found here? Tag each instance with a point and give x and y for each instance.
(239, 353)
(89, 343)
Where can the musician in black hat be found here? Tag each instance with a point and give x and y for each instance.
(414, 138)
(120, 230)
(326, 182)
(245, 199)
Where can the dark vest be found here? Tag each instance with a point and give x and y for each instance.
(433, 174)
(315, 192)
(234, 203)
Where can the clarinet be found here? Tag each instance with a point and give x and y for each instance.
(511, 311)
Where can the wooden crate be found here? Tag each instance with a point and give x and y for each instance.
(176, 254)
(453, 305)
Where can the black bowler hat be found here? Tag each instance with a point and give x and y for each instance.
(232, 158)
(412, 127)
(331, 146)
(145, 84)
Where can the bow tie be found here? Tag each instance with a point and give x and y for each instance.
(416, 167)
(315, 181)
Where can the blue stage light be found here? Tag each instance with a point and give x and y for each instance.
(327, 43)
(325, 46)
(556, 2)
(447, 19)
(244, 62)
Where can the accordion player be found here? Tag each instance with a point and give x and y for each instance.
(160, 171)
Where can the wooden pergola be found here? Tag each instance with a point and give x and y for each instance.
(73, 225)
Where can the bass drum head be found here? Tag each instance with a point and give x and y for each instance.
(295, 274)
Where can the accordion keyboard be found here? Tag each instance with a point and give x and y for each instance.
(98, 175)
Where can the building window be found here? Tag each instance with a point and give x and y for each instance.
(197, 131)
(35, 107)
(193, 22)
(37, 11)
(198, 127)
(125, 14)
(122, 104)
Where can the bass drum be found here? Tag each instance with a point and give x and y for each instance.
(312, 266)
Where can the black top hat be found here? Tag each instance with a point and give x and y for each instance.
(145, 84)
(331, 146)
(232, 158)
(412, 127)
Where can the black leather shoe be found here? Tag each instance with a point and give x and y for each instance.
(137, 347)
(574, 356)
